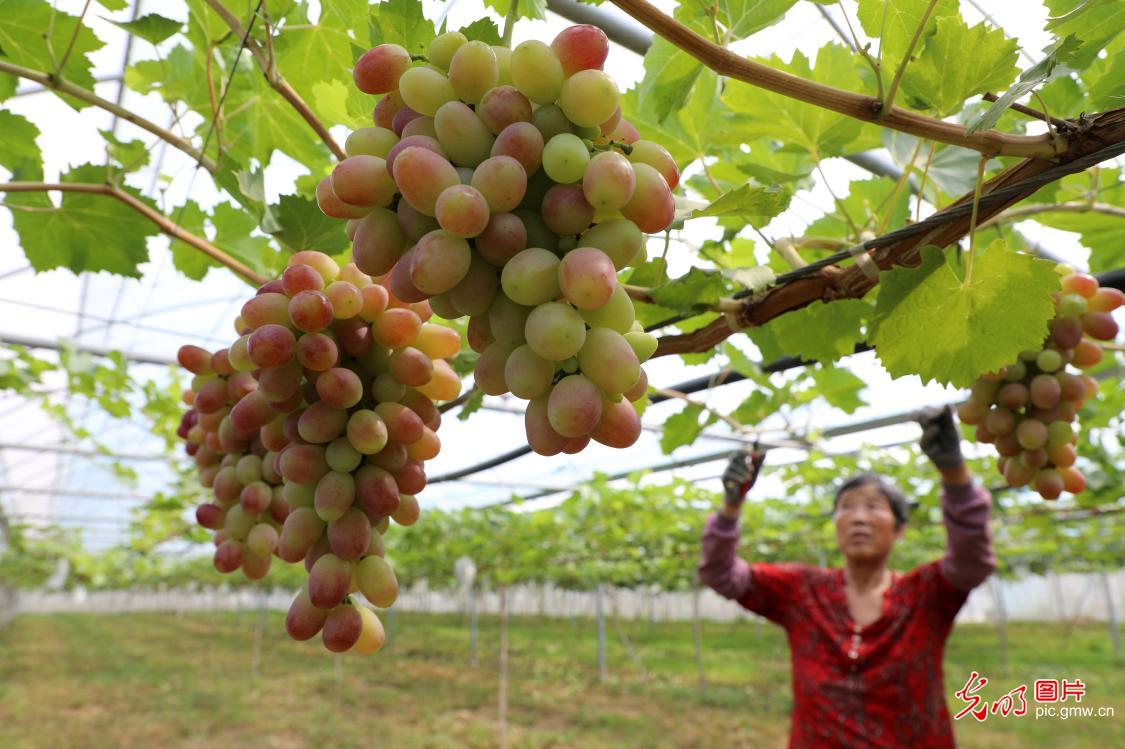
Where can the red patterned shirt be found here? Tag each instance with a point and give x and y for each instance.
(879, 686)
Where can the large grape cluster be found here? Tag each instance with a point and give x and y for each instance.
(311, 430)
(1029, 408)
(503, 185)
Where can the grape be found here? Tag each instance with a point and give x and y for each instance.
(342, 456)
(438, 341)
(1059, 433)
(424, 90)
(379, 242)
(370, 141)
(251, 413)
(478, 334)
(376, 492)
(194, 359)
(350, 534)
(211, 396)
(466, 139)
(608, 360)
(353, 336)
(1106, 300)
(609, 181)
(298, 495)
(616, 314)
(1008, 445)
(427, 448)
(1017, 474)
(555, 331)
(304, 464)
(1045, 391)
(303, 620)
(587, 278)
(507, 320)
(372, 635)
(334, 495)
(402, 118)
(342, 628)
(210, 515)
(527, 374)
(423, 406)
(565, 158)
(608, 126)
(1073, 480)
(1066, 332)
(440, 260)
(389, 105)
(377, 71)
(331, 205)
(574, 406)
(411, 367)
(1000, 421)
(445, 385)
(537, 72)
(301, 530)
(581, 47)
(656, 156)
(266, 309)
(339, 388)
(1034, 459)
(1071, 387)
(565, 210)
(310, 311)
(411, 477)
(228, 556)
(551, 121)
(652, 207)
(1100, 325)
(473, 295)
(262, 539)
(1087, 354)
(420, 126)
(1032, 434)
(473, 70)
(523, 142)
(638, 389)
(443, 48)
(462, 211)
(1072, 306)
(502, 181)
(644, 344)
(408, 511)
(501, 239)
(345, 298)
(1049, 360)
(396, 327)
(403, 425)
(363, 180)
(422, 175)
(491, 367)
(531, 277)
(298, 278)
(418, 140)
(501, 106)
(386, 388)
(619, 426)
(321, 423)
(1081, 284)
(255, 497)
(1049, 484)
(377, 581)
(541, 436)
(588, 98)
(1013, 396)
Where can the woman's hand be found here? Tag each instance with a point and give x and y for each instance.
(739, 476)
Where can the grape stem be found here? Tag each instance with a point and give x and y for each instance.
(1024, 211)
(510, 19)
(66, 87)
(163, 222)
(277, 80)
(860, 106)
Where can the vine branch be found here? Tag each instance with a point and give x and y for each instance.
(859, 106)
(277, 80)
(66, 87)
(163, 222)
(1024, 211)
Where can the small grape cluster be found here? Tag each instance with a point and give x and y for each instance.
(503, 185)
(1028, 409)
(312, 430)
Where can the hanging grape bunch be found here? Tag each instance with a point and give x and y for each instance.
(311, 430)
(503, 185)
(1028, 409)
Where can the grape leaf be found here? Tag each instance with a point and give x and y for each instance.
(893, 23)
(207, 28)
(867, 204)
(738, 19)
(682, 427)
(959, 62)
(840, 387)
(85, 232)
(180, 76)
(1030, 79)
(755, 206)
(687, 132)
(927, 321)
(758, 113)
(527, 9)
(342, 104)
(152, 27)
(130, 154)
(113, 4)
(1098, 231)
(247, 186)
(187, 259)
(233, 235)
(19, 153)
(303, 227)
(482, 30)
(7, 85)
(1095, 22)
(670, 74)
(401, 22)
(1103, 78)
(471, 405)
(822, 332)
(310, 55)
(33, 34)
(696, 291)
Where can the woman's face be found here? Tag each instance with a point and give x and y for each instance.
(865, 524)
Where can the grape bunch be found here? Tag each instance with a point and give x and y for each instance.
(503, 185)
(1028, 409)
(312, 430)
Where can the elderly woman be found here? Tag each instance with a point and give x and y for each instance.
(866, 642)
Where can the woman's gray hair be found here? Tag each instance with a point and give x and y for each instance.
(895, 498)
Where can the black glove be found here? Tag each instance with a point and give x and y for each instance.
(741, 473)
(940, 439)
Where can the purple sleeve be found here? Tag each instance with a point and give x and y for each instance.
(719, 566)
(969, 558)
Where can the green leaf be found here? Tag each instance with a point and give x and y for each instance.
(822, 332)
(130, 154)
(894, 22)
(85, 232)
(528, 8)
(670, 74)
(758, 113)
(737, 19)
(840, 388)
(341, 104)
(314, 55)
(482, 30)
(867, 204)
(402, 22)
(19, 153)
(1103, 78)
(929, 323)
(683, 427)
(696, 291)
(687, 133)
(471, 405)
(33, 34)
(246, 186)
(1030, 79)
(180, 76)
(113, 4)
(652, 273)
(755, 206)
(152, 27)
(187, 259)
(1095, 22)
(1100, 232)
(233, 235)
(959, 62)
(301, 226)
